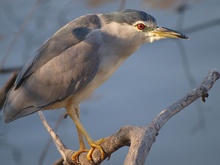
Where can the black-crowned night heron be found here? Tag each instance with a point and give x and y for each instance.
(76, 60)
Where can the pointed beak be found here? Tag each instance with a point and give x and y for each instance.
(162, 32)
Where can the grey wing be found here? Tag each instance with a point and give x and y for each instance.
(66, 37)
(44, 82)
(56, 80)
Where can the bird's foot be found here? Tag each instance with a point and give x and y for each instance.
(75, 156)
(94, 145)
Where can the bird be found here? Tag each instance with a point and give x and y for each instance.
(76, 60)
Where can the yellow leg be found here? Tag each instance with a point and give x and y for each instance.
(80, 136)
(72, 112)
(82, 146)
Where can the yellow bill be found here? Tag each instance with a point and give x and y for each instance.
(162, 32)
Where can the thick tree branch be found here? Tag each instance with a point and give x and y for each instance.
(140, 139)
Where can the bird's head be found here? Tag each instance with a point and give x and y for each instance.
(139, 26)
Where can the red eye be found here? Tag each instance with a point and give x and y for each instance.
(140, 26)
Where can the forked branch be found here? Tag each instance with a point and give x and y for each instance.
(140, 139)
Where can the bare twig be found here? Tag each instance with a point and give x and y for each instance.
(202, 26)
(196, 93)
(49, 141)
(122, 4)
(9, 70)
(59, 144)
(140, 139)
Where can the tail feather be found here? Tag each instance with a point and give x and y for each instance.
(17, 105)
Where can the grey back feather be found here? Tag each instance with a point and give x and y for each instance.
(69, 35)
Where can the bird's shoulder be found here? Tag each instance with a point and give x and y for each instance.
(68, 36)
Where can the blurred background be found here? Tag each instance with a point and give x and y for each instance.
(153, 78)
